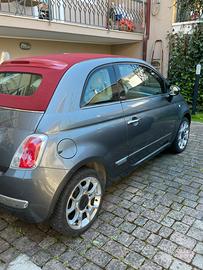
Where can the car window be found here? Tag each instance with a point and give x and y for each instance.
(101, 87)
(19, 84)
(138, 81)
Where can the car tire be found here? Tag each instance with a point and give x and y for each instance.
(79, 203)
(182, 137)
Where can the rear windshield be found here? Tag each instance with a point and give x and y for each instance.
(19, 84)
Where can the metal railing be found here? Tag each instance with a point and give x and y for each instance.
(123, 15)
(187, 13)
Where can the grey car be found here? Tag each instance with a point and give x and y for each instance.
(72, 123)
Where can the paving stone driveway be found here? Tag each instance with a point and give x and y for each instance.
(150, 220)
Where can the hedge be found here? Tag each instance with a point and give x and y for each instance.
(186, 51)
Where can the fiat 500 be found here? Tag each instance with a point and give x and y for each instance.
(71, 123)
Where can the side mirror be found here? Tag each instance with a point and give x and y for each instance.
(174, 90)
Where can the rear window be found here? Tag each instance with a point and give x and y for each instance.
(19, 84)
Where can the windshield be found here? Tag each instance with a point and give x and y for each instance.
(19, 84)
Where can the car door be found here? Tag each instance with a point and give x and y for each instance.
(106, 127)
(150, 116)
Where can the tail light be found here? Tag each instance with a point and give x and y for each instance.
(29, 153)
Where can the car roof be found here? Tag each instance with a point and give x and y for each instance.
(56, 61)
(52, 66)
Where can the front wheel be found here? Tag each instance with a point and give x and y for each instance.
(182, 137)
(79, 203)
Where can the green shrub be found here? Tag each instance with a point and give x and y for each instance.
(186, 51)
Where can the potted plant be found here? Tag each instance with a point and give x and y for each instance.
(126, 25)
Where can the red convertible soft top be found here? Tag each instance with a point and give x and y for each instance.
(51, 68)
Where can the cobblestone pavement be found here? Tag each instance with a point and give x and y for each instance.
(151, 220)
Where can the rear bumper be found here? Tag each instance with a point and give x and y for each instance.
(14, 203)
(32, 194)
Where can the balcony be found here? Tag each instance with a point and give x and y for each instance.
(95, 21)
(188, 13)
(187, 18)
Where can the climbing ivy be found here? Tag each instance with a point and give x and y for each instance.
(186, 51)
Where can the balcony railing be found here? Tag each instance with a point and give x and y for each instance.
(123, 15)
(187, 13)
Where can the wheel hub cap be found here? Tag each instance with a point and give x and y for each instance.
(83, 203)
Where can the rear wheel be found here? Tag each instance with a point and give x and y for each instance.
(182, 137)
(79, 203)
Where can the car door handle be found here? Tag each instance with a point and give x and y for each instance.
(133, 121)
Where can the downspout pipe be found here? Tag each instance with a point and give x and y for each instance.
(147, 28)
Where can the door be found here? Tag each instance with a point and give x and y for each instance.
(150, 116)
(106, 127)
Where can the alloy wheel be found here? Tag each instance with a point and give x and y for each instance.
(83, 203)
(183, 135)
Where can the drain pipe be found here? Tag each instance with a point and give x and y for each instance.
(147, 28)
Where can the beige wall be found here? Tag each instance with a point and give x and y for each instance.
(47, 47)
(161, 25)
(130, 50)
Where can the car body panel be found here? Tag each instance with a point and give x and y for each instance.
(15, 126)
(156, 122)
(38, 187)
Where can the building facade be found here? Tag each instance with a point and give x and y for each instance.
(30, 27)
(134, 28)
(161, 18)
